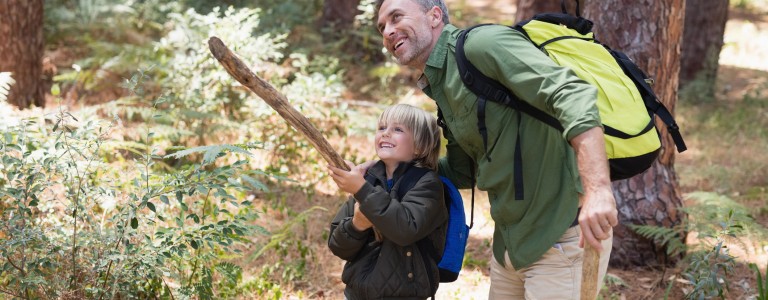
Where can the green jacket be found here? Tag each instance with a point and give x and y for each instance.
(526, 228)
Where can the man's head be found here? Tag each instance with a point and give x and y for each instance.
(411, 28)
(425, 6)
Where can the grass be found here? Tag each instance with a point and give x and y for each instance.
(727, 141)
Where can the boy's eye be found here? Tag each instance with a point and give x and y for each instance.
(399, 129)
(382, 127)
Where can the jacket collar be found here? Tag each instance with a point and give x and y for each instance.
(433, 71)
(379, 171)
(440, 51)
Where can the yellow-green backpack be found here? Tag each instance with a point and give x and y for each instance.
(626, 102)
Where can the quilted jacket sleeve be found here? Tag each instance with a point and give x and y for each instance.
(344, 240)
(405, 221)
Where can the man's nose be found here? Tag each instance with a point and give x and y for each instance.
(389, 30)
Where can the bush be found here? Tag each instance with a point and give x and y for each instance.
(75, 225)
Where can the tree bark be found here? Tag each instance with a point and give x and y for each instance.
(526, 9)
(339, 14)
(650, 33)
(21, 50)
(702, 42)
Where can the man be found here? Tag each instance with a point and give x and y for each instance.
(536, 247)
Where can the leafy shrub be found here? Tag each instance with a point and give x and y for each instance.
(74, 226)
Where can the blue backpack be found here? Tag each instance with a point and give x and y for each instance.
(457, 232)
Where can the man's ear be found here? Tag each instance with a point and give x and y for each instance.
(436, 16)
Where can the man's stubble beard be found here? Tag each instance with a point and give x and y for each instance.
(417, 50)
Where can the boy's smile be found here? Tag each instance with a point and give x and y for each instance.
(394, 144)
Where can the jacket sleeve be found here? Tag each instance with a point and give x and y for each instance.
(507, 56)
(344, 240)
(404, 222)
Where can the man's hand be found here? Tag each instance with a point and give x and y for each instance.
(598, 217)
(598, 207)
(349, 181)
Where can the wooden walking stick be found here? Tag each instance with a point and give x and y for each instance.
(589, 270)
(275, 99)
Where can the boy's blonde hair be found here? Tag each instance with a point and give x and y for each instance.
(426, 133)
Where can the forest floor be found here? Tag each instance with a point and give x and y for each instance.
(743, 70)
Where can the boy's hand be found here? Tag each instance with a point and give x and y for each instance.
(359, 220)
(348, 181)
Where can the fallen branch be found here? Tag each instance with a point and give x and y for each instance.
(275, 99)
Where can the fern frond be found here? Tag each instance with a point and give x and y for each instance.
(667, 237)
(5, 85)
(230, 272)
(204, 288)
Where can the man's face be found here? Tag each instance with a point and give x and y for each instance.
(407, 31)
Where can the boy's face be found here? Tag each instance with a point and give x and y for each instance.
(407, 31)
(394, 144)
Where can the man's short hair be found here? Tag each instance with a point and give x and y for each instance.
(425, 6)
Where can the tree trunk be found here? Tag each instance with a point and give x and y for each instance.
(702, 42)
(650, 33)
(21, 50)
(526, 9)
(339, 15)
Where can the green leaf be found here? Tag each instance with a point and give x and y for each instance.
(134, 223)
(193, 243)
(151, 207)
(210, 153)
(254, 183)
(194, 217)
(55, 89)
(164, 198)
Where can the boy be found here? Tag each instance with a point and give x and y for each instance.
(377, 233)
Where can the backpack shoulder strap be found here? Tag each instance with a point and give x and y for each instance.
(649, 97)
(487, 88)
(406, 182)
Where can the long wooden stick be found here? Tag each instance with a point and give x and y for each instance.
(589, 270)
(275, 99)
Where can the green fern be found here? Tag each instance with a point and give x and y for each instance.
(5, 85)
(204, 288)
(669, 237)
(231, 273)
